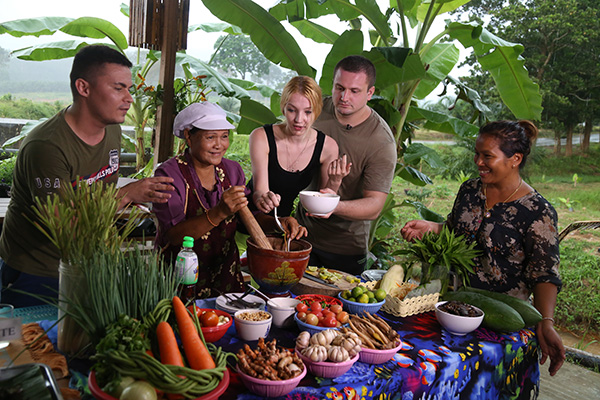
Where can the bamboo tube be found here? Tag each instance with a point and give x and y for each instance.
(254, 229)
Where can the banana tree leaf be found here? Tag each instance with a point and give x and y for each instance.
(266, 32)
(316, 32)
(409, 9)
(344, 10)
(296, 10)
(264, 90)
(424, 212)
(124, 9)
(349, 42)
(448, 5)
(394, 65)
(386, 110)
(254, 115)
(214, 79)
(469, 95)
(520, 94)
(370, 10)
(441, 58)
(96, 28)
(418, 151)
(414, 176)
(34, 26)
(436, 121)
(216, 27)
(50, 51)
(276, 103)
(24, 132)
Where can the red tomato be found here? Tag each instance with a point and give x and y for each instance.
(301, 307)
(318, 314)
(209, 318)
(330, 321)
(327, 313)
(302, 316)
(315, 307)
(312, 319)
(336, 308)
(343, 317)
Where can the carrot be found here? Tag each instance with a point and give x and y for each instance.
(169, 351)
(194, 348)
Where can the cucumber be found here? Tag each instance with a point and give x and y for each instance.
(498, 316)
(529, 313)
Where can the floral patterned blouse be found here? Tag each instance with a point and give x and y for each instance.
(519, 240)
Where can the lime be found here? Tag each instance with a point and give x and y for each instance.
(380, 294)
(346, 294)
(370, 294)
(363, 298)
(357, 291)
(372, 300)
(351, 299)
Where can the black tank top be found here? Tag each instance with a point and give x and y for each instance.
(285, 183)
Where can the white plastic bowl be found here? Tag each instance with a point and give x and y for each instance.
(318, 203)
(456, 324)
(252, 330)
(283, 309)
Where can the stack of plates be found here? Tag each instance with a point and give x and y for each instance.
(221, 303)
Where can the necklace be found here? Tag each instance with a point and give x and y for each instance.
(291, 167)
(487, 209)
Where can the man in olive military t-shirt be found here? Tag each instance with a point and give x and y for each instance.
(82, 141)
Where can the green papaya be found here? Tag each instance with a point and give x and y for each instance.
(498, 316)
(529, 313)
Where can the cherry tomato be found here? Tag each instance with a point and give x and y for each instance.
(301, 307)
(315, 307)
(312, 319)
(209, 318)
(343, 317)
(336, 308)
(302, 316)
(330, 321)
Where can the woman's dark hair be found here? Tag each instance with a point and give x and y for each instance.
(513, 136)
(357, 64)
(90, 58)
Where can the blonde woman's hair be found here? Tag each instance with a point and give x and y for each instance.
(308, 88)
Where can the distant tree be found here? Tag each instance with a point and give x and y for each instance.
(237, 54)
(562, 48)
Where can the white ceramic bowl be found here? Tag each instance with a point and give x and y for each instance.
(318, 203)
(282, 309)
(252, 330)
(456, 324)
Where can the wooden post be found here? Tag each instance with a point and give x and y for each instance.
(164, 113)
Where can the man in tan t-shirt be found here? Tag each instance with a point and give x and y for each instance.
(340, 240)
(81, 142)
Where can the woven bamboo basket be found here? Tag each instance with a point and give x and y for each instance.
(411, 306)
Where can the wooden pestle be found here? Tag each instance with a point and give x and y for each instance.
(254, 229)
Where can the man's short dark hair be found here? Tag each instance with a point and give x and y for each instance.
(357, 64)
(90, 58)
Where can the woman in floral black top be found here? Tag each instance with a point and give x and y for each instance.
(513, 225)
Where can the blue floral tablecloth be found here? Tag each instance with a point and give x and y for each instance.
(431, 364)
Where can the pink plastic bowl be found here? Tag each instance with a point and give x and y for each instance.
(371, 356)
(266, 388)
(327, 369)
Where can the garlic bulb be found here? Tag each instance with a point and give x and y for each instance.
(302, 341)
(337, 354)
(324, 338)
(315, 352)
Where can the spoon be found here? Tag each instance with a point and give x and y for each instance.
(286, 243)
